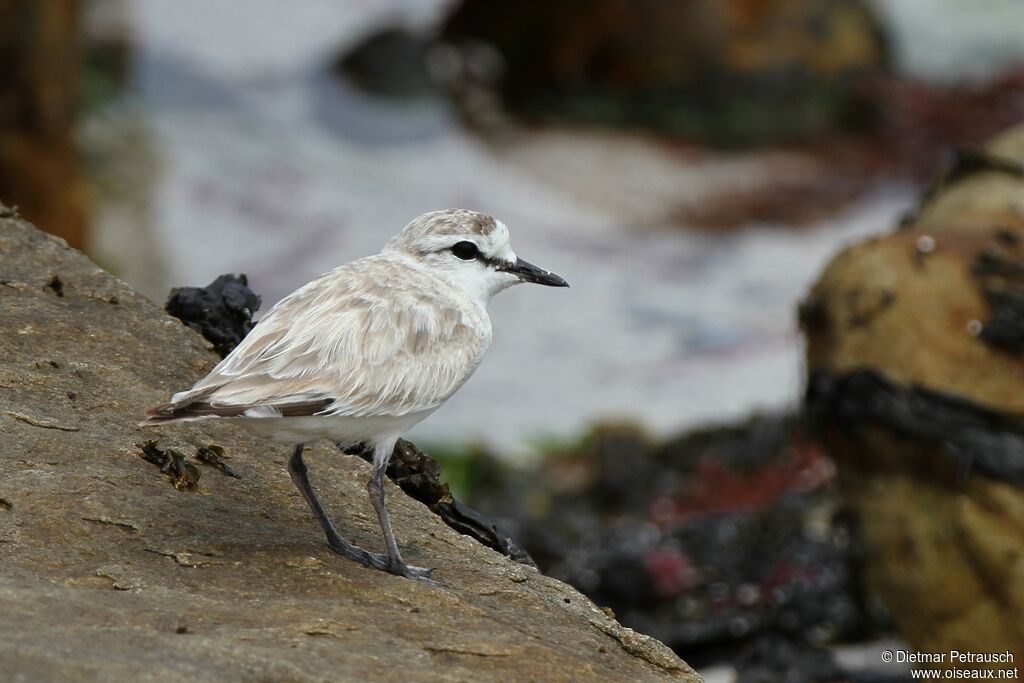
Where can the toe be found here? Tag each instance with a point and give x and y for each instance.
(412, 572)
(419, 572)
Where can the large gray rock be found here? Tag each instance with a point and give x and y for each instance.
(108, 572)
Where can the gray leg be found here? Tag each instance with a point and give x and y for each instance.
(298, 472)
(375, 487)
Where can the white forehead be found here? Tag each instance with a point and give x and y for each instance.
(501, 247)
(499, 236)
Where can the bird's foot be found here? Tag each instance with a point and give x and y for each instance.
(364, 557)
(380, 561)
(409, 571)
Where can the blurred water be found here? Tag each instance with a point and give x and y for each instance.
(245, 158)
(948, 41)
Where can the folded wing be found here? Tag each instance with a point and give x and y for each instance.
(370, 338)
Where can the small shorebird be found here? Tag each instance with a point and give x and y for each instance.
(366, 351)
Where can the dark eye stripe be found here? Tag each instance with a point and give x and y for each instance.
(467, 251)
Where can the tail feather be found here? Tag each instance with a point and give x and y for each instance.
(161, 413)
(192, 410)
(200, 410)
(185, 405)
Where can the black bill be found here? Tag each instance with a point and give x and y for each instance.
(527, 272)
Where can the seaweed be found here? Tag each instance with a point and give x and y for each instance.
(419, 476)
(1002, 283)
(709, 542)
(183, 474)
(213, 456)
(977, 438)
(222, 311)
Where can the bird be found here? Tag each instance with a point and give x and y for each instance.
(365, 352)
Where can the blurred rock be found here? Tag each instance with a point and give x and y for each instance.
(389, 63)
(764, 72)
(718, 538)
(775, 659)
(732, 73)
(940, 505)
(39, 166)
(112, 573)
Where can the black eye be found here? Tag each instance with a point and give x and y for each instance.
(467, 251)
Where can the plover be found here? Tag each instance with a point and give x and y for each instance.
(366, 351)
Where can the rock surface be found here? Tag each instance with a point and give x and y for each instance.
(934, 308)
(108, 572)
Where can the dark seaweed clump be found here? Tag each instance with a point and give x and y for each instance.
(175, 464)
(183, 474)
(222, 311)
(419, 476)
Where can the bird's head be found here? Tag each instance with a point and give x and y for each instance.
(470, 249)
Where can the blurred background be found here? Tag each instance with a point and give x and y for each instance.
(690, 167)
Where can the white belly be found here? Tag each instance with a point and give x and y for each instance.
(340, 429)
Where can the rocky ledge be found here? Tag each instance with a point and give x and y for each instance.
(108, 571)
